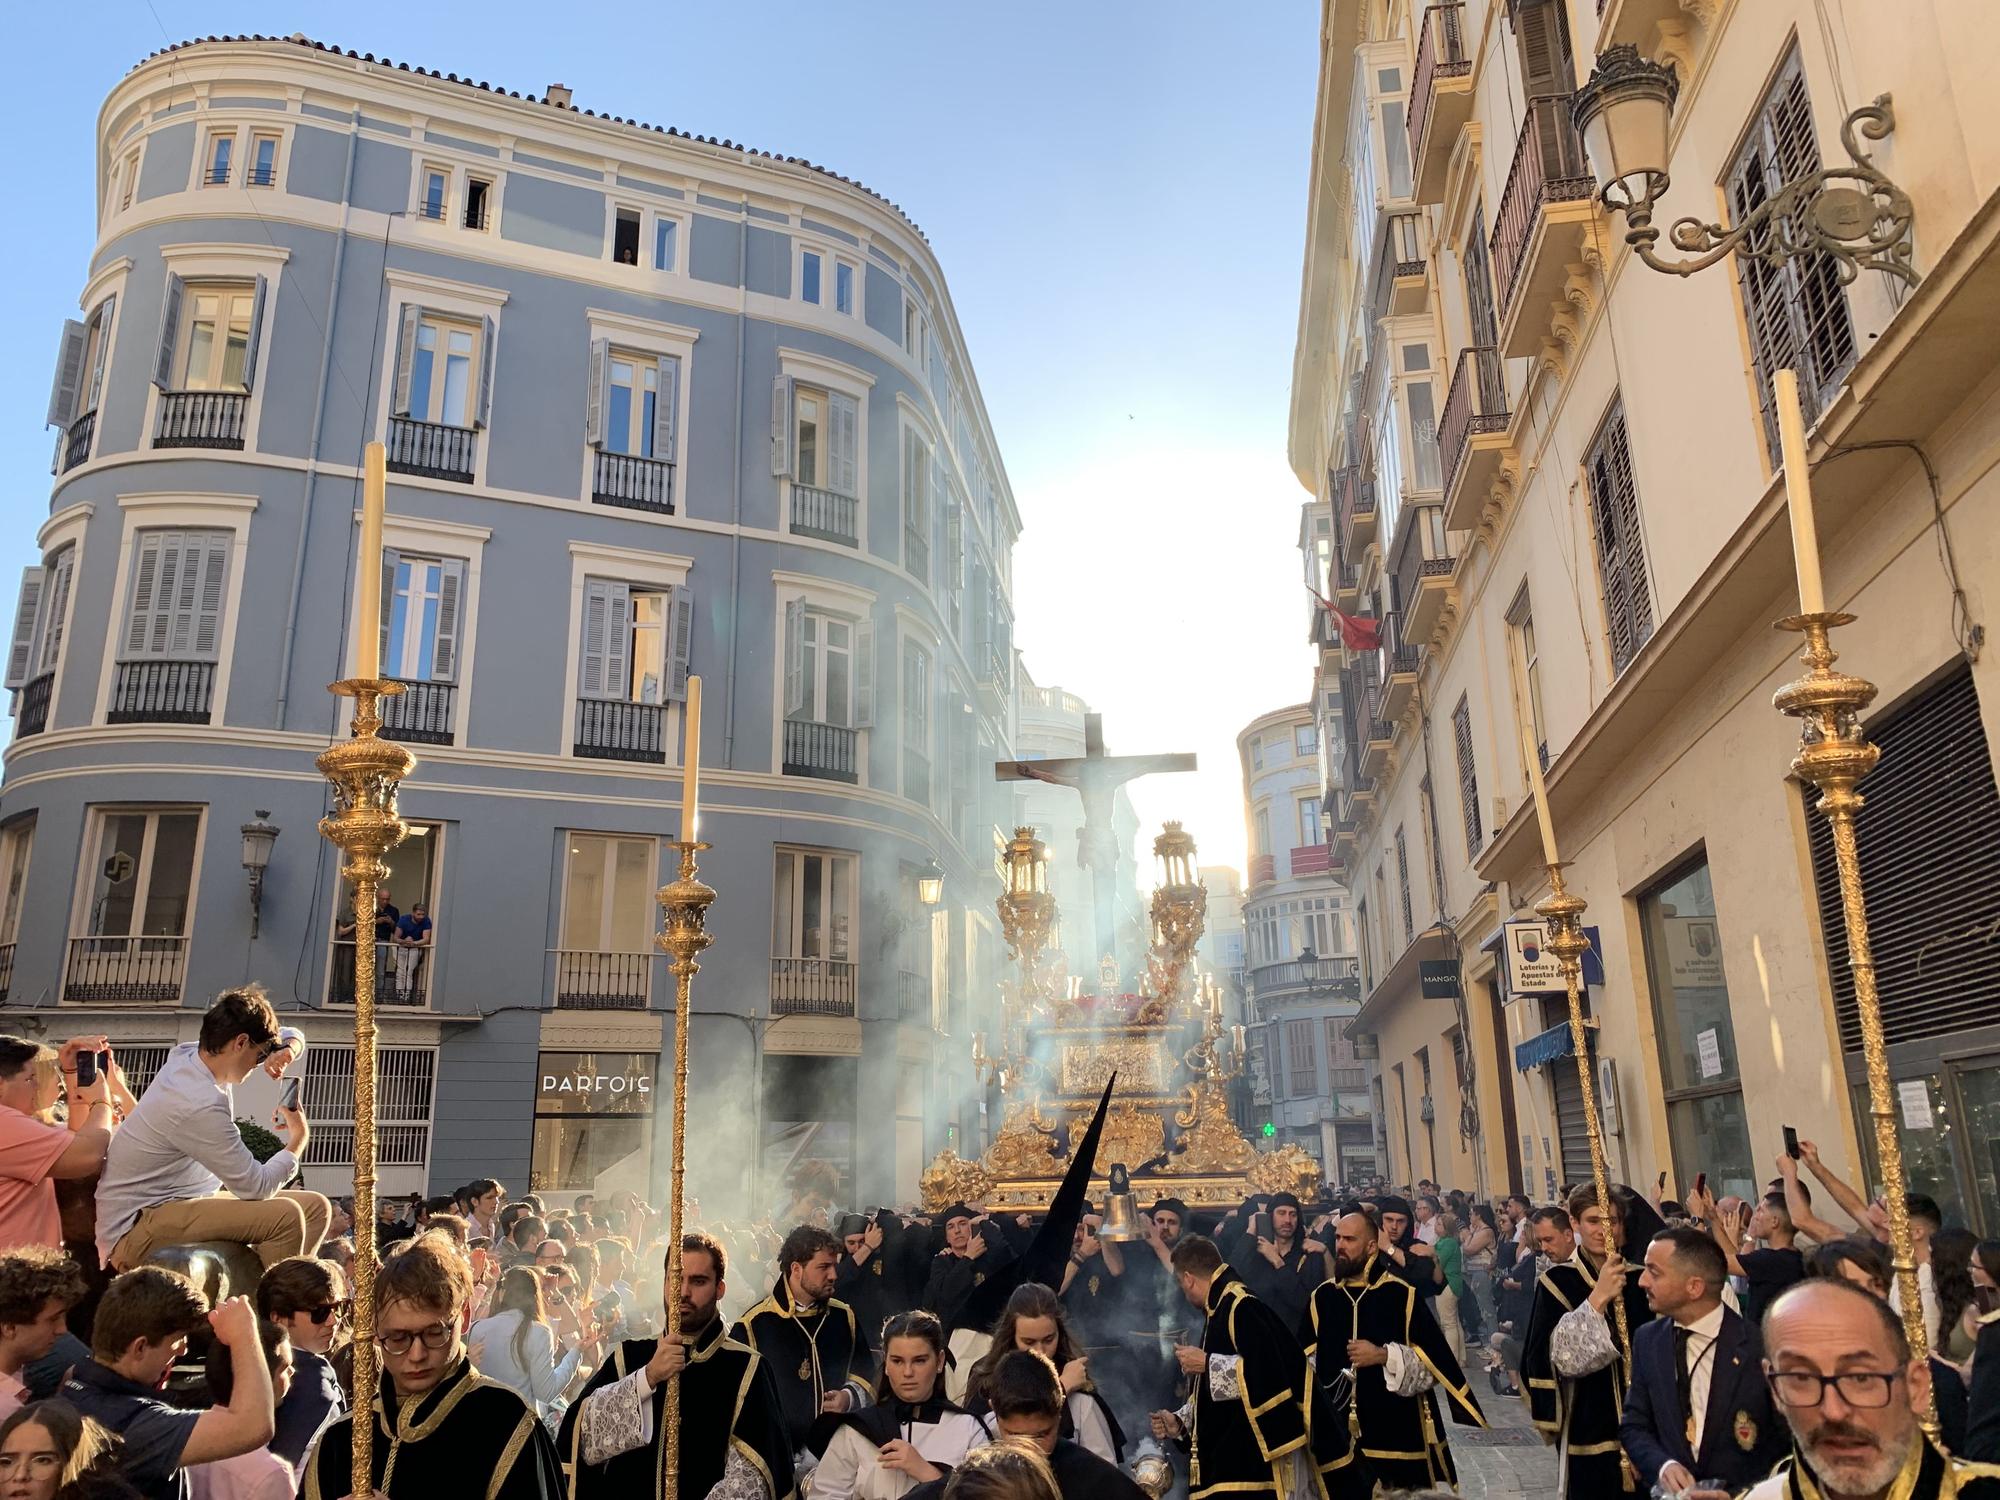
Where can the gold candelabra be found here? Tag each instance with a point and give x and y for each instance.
(1179, 912)
(1026, 909)
(1834, 754)
(1564, 914)
(683, 935)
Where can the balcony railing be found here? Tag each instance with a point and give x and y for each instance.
(1476, 403)
(162, 692)
(826, 514)
(1356, 494)
(399, 981)
(812, 987)
(125, 970)
(1422, 551)
(432, 450)
(34, 709)
(1405, 250)
(913, 996)
(73, 447)
(265, 176)
(1311, 859)
(421, 714)
(1549, 167)
(588, 980)
(825, 751)
(1343, 974)
(633, 483)
(201, 419)
(6, 969)
(1440, 54)
(1263, 868)
(612, 729)
(997, 662)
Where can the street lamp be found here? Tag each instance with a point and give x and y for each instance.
(930, 883)
(1851, 213)
(258, 837)
(1322, 976)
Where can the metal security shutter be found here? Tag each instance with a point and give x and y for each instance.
(1572, 1129)
(1468, 777)
(404, 1084)
(1621, 552)
(1933, 877)
(1797, 312)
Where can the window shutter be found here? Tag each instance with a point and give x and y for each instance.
(145, 590)
(795, 659)
(101, 321)
(487, 339)
(781, 427)
(1541, 38)
(27, 611)
(211, 551)
(607, 639)
(940, 500)
(451, 600)
(600, 382)
(406, 358)
(69, 374)
(256, 334)
(864, 675)
(846, 422)
(1468, 776)
(61, 572)
(1620, 551)
(667, 412)
(955, 548)
(170, 328)
(680, 641)
(391, 561)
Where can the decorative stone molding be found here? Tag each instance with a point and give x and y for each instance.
(1705, 12)
(1676, 48)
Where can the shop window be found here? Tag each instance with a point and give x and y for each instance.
(593, 1122)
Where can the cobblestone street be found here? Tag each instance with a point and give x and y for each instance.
(1507, 1459)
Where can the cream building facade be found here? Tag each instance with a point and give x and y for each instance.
(1553, 479)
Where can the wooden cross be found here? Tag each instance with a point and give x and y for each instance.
(1097, 778)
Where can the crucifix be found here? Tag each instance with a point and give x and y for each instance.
(1097, 778)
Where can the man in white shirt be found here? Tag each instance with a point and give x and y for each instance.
(178, 1170)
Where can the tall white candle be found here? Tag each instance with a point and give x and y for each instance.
(1532, 756)
(1798, 491)
(691, 763)
(368, 566)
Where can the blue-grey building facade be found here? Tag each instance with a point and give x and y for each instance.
(654, 405)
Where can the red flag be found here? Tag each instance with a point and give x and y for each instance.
(1357, 632)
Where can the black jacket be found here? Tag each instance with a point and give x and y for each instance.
(1742, 1438)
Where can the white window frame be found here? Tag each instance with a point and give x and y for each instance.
(832, 258)
(913, 423)
(641, 337)
(649, 236)
(797, 366)
(125, 186)
(831, 597)
(914, 631)
(239, 128)
(17, 852)
(62, 533)
(446, 539)
(795, 936)
(647, 570)
(255, 135)
(184, 342)
(457, 174)
(219, 145)
(206, 263)
(1310, 821)
(464, 301)
(610, 839)
(97, 814)
(432, 836)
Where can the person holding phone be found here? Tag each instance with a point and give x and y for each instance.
(515, 1345)
(34, 1150)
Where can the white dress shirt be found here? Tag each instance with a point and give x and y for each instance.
(1702, 1335)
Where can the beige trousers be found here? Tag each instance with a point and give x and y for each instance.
(292, 1222)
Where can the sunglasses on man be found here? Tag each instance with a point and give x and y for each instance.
(342, 1310)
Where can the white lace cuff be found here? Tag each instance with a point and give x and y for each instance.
(1224, 1378)
(1404, 1373)
(616, 1419)
(740, 1480)
(1581, 1343)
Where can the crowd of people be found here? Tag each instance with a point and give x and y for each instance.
(175, 1316)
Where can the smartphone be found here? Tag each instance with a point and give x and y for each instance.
(1791, 1143)
(1261, 1227)
(1700, 1183)
(288, 1092)
(86, 1069)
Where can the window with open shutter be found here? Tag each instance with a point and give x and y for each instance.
(27, 611)
(170, 327)
(864, 674)
(680, 642)
(1468, 776)
(604, 671)
(916, 506)
(69, 374)
(178, 580)
(596, 391)
(1403, 884)
(795, 659)
(844, 422)
(1479, 293)
(1541, 42)
(1933, 892)
(667, 411)
(781, 427)
(1621, 551)
(1796, 312)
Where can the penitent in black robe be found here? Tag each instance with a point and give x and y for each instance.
(467, 1436)
(727, 1402)
(1237, 1442)
(1581, 1414)
(1371, 1437)
(809, 1354)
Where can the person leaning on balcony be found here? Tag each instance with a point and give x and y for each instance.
(35, 1152)
(178, 1170)
(413, 941)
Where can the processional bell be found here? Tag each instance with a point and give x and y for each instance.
(1121, 1210)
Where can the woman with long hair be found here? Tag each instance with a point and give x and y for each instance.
(514, 1345)
(912, 1435)
(51, 1451)
(1951, 1273)
(1010, 1469)
(1479, 1245)
(1034, 1320)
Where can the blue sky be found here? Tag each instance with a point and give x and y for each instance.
(1117, 194)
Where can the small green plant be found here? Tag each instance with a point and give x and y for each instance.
(262, 1143)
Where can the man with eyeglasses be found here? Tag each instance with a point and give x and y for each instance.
(441, 1428)
(1841, 1375)
(308, 1299)
(178, 1170)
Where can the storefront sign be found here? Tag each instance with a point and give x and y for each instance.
(595, 1083)
(1694, 953)
(1438, 978)
(1533, 970)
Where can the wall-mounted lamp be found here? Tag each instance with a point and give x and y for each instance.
(930, 883)
(258, 837)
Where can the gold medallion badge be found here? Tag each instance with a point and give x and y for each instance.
(1746, 1431)
(805, 1370)
(1093, 1286)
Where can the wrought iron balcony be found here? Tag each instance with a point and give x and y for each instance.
(432, 450)
(1402, 285)
(264, 176)
(33, 716)
(613, 729)
(825, 751)
(404, 985)
(1475, 406)
(73, 442)
(589, 980)
(913, 996)
(422, 713)
(1549, 168)
(201, 419)
(1423, 565)
(125, 970)
(1263, 869)
(1354, 510)
(162, 692)
(1440, 95)
(812, 987)
(826, 514)
(631, 482)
